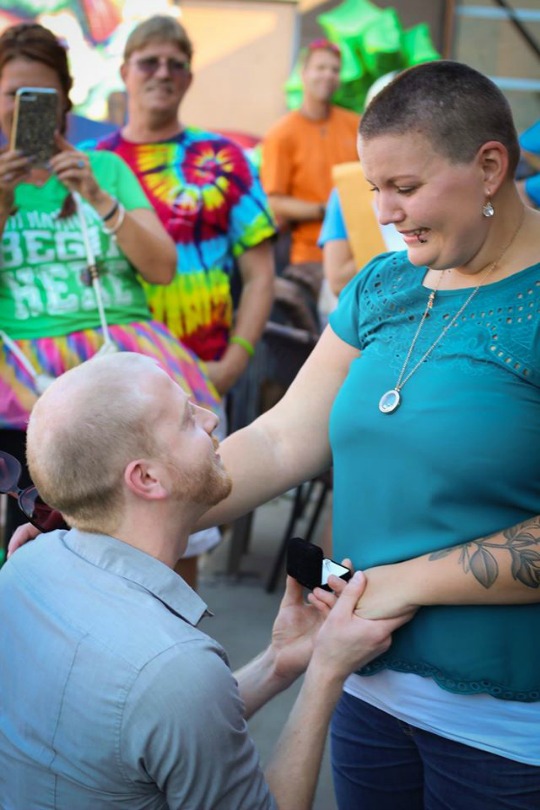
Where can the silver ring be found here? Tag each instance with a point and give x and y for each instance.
(80, 164)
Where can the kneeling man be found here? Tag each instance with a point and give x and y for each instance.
(111, 695)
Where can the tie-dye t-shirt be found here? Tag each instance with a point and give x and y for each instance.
(208, 196)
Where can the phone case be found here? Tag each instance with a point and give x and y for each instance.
(308, 565)
(34, 123)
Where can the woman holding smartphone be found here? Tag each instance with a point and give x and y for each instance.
(56, 220)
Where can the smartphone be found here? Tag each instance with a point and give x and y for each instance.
(308, 565)
(34, 123)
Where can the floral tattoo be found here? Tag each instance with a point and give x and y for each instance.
(522, 543)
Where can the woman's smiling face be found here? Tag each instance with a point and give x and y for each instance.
(436, 205)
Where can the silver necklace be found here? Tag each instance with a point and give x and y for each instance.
(391, 400)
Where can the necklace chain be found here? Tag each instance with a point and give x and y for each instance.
(431, 300)
(391, 400)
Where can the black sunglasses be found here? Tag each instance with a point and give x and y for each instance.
(40, 514)
(151, 64)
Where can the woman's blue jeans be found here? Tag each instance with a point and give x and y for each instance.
(381, 763)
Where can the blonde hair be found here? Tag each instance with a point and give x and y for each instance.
(159, 28)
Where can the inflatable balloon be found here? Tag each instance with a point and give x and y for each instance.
(348, 20)
(373, 43)
(380, 44)
(417, 47)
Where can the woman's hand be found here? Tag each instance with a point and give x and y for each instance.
(14, 168)
(389, 593)
(139, 232)
(73, 169)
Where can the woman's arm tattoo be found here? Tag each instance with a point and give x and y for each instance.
(522, 543)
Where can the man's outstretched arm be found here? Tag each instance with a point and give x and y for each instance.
(340, 644)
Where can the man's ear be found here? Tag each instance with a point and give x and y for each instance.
(493, 161)
(123, 71)
(142, 477)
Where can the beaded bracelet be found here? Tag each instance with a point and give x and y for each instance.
(244, 343)
(112, 212)
(116, 227)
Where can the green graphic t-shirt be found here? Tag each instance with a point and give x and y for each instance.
(43, 259)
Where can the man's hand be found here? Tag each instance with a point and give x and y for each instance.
(21, 536)
(346, 641)
(295, 628)
(385, 595)
(294, 631)
(326, 634)
(297, 624)
(325, 600)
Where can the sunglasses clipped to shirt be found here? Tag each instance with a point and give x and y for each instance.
(151, 64)
(40, 514)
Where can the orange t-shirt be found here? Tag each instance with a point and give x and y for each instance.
(297, 159)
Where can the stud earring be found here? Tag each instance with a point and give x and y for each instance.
(487, 209)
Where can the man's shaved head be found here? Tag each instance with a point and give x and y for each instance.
(85, 429)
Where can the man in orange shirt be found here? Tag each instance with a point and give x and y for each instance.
(301, 148)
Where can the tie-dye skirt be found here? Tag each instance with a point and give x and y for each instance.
(54, 355)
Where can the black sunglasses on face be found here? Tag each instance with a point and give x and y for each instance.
(40, 514)
(151, 64)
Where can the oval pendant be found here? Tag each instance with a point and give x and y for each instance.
(390, 401)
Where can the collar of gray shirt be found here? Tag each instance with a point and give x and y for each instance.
(128, 562)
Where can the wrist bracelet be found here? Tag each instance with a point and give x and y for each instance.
(112, 212)
(116, 227)
(244, 343)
